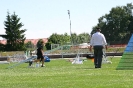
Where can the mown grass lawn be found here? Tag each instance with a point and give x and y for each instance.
(62, 74)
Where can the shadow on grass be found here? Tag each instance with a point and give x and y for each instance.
(86, 68)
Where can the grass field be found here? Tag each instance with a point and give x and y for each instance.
(62, 74)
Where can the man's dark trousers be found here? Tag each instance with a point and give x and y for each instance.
(98, 54)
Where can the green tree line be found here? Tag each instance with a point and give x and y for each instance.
(65, 39)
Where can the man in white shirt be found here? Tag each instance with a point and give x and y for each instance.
(98, 42)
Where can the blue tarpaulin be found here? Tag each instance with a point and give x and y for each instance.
(47, 59)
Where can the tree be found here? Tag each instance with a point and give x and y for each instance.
(29, 45)
(83, 38)
(61, 39)
(115, 24)
(14, 36)
(130, 26)
(48, 45)
(74, 38)
(2, 47)
(64, 39)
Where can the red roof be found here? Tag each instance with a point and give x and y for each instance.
(3, 41)
(34, 41)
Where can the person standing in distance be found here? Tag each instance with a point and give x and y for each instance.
(98, 42)
(40, 57)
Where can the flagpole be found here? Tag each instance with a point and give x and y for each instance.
(70, 28)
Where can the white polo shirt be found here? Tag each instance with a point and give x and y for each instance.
(98, 39)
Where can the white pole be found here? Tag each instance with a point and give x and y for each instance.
(70, 27)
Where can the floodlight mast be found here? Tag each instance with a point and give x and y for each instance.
(70, 27)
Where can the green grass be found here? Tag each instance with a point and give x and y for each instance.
(62, 74)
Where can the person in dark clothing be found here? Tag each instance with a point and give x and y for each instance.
(40, 56)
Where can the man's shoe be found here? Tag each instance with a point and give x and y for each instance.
(96, 67)
(42, 65)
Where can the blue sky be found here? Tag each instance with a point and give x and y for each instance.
(42, 18)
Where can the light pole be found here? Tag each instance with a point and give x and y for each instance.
(70, 28)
